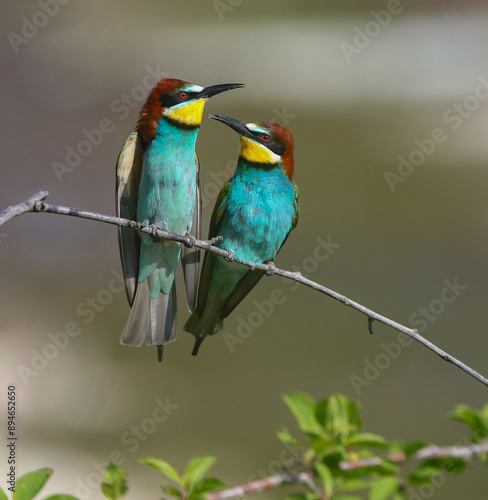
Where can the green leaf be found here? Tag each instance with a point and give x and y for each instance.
(3, 496)
(61, 497)
(303, 408)
(302, 496)
(366, 439)
(326, 476)
(400, 495)
(384, 488)
(423, 474)
(453, 465)
(465, 414)
(285, 437)
(115, 485)
(412, 448)
(484, 413)
(338, 415)
(171, 490)
(476, 421)
(347, 497)
(387, 467)
(320, 445)
(384, 468)
(195, 470)
(209, 484)
(332, 457)
(29, 485)
(354, 484)
(164, 467)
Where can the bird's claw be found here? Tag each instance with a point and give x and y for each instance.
(154, 228)
(190, 239)
(214, 240)
(231, 257)
(271, 268)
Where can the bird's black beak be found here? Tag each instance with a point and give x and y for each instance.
(238, 126)
(217, 89)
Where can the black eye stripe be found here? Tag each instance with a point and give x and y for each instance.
(272, 144)
(168, 100)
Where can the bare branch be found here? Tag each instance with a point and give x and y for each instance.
(22, 208)
(306, 476)
(467, 453)
(268, 483)
(36, 204)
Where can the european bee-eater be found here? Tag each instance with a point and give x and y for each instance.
(158, 184)
(254, 213)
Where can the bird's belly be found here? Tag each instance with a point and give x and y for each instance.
(256, 233)
(167, 196)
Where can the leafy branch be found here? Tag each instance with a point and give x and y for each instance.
(36, 203)
(338, 462)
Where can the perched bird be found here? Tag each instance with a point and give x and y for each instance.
(158, 184)
(254, 213)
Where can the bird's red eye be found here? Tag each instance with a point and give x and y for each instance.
(265, 137)
(183, 95)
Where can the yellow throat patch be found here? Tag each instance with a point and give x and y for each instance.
(188, 113)
(255, 152)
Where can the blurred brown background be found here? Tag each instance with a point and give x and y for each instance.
(359, 86)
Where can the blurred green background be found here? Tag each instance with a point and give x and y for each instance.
(358, 86)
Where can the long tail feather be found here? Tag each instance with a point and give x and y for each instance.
(209, 323)
(198, 342)
(152, 320)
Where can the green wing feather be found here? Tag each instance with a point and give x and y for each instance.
(297, 207)
(191, 256)
(128, 175)
(218, 211)
(245, 285)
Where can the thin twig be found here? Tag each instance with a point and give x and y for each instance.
(265, 484)
(467, 453)
(306, 476)
(22, 208)
(35, 204)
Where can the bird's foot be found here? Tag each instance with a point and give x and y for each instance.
(231, 257)
(214, 240)
(190, 239)
(271, 268)
(154, 228)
